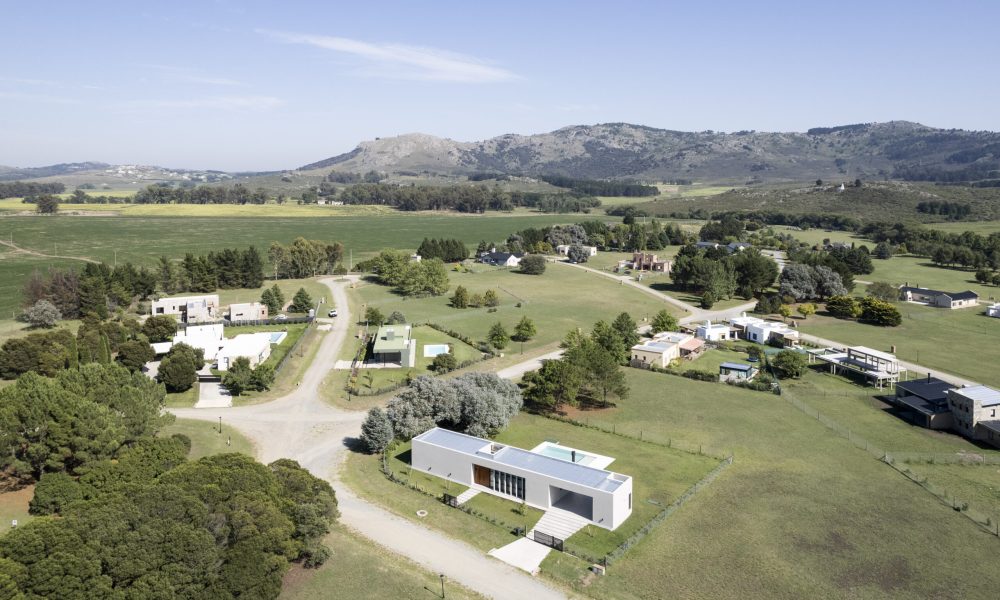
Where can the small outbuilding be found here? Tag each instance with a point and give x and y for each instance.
(736, 372)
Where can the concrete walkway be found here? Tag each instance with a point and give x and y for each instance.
(212, 395)
(523, 553)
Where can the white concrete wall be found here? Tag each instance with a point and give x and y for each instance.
(610, 509)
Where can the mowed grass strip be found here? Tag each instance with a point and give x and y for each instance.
(800, 513)
(206, 439)
(359, 568)
(14, 506)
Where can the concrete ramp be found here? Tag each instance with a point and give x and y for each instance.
(559, 523)
(522, 553)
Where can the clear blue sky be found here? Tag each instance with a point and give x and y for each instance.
(252, 85)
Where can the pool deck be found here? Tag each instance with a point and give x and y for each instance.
(596, 461)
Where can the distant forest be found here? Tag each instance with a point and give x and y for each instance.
(21, 189)
(468, 199)
(593, 187)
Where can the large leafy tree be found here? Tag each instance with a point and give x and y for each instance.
(663, 321)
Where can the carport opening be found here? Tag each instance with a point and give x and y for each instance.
(573, 502)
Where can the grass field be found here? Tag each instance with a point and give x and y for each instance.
(14, 505)
(381, 378)
(801, 513)
(921, 272)
(928, 336)
(980, 227)
(15, 267)
(206, 439)
(559, 300)
(660, 474)
(360, 569)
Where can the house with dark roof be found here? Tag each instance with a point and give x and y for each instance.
(501, 259)
(974, 409)
(736, 372)
(938, 298)
(925, 401)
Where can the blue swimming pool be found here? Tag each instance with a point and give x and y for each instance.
(566, 454)
(278, 336)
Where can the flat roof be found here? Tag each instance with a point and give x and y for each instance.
(399, 341)
(993, 426)
(987, 396)
(871, 352)
(930, 388)
(654, 346)
(246, 344)
(924, 406)
(598, 479)
(735, 366)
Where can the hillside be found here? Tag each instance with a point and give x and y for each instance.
(876, 201)
(621, 150)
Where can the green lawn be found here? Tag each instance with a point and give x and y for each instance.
(710, 360)
(206, 439)
(183, 399)
(928, 336)
(360, 569)
(800, 513)
(14, 505)
(980, 227)
(817, 236)
(921, 272)
(660, 474)
(561, 299)
(16, 267)
(373, 379)
(977, 485)
(316, 290)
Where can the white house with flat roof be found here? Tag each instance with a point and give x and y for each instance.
(247, 311)
(209, 338)
(993, 310)
(755, 329)
(664, 348)
(394, 346)
(714, 332)
(255, 347)
(190, 309)
(538, 479)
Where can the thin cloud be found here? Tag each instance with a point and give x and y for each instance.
(211, 103)
(191, 75)
(38, 98)
(399, 61)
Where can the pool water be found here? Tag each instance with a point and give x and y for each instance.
(566, 454)
(432, 350)
(278, 336)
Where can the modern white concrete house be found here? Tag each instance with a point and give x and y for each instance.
(255, 347)
(755, 329)
(209, 338)
(714, 332)
(247, 311)
(190, 309)
(665, 347)
(546, 479)
(993, 310)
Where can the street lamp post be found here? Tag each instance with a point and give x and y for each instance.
(220, 425)
(442, 585)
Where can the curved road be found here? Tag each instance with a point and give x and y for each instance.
(303, 427)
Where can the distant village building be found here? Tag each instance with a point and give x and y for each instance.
(247, 311)
(938, 298)
(501, 259)
(190, 309)
(644, 261)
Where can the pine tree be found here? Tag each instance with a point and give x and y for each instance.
(498, 336)
(302, 301)
(253, 268)
(491, 298)
(524, 330)
(279, 296)
(461, 297)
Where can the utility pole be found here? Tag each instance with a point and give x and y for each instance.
(351, 251)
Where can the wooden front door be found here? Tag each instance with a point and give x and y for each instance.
(481, 475)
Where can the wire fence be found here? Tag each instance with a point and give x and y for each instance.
(902, 463)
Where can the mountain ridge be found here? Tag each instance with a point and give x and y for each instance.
(625, 150)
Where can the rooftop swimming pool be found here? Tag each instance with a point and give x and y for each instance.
(565, 454)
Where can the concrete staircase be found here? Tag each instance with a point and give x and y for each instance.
(559, 523)
(467, 495)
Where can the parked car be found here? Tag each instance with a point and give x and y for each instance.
(332, 313)
(281, 317)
